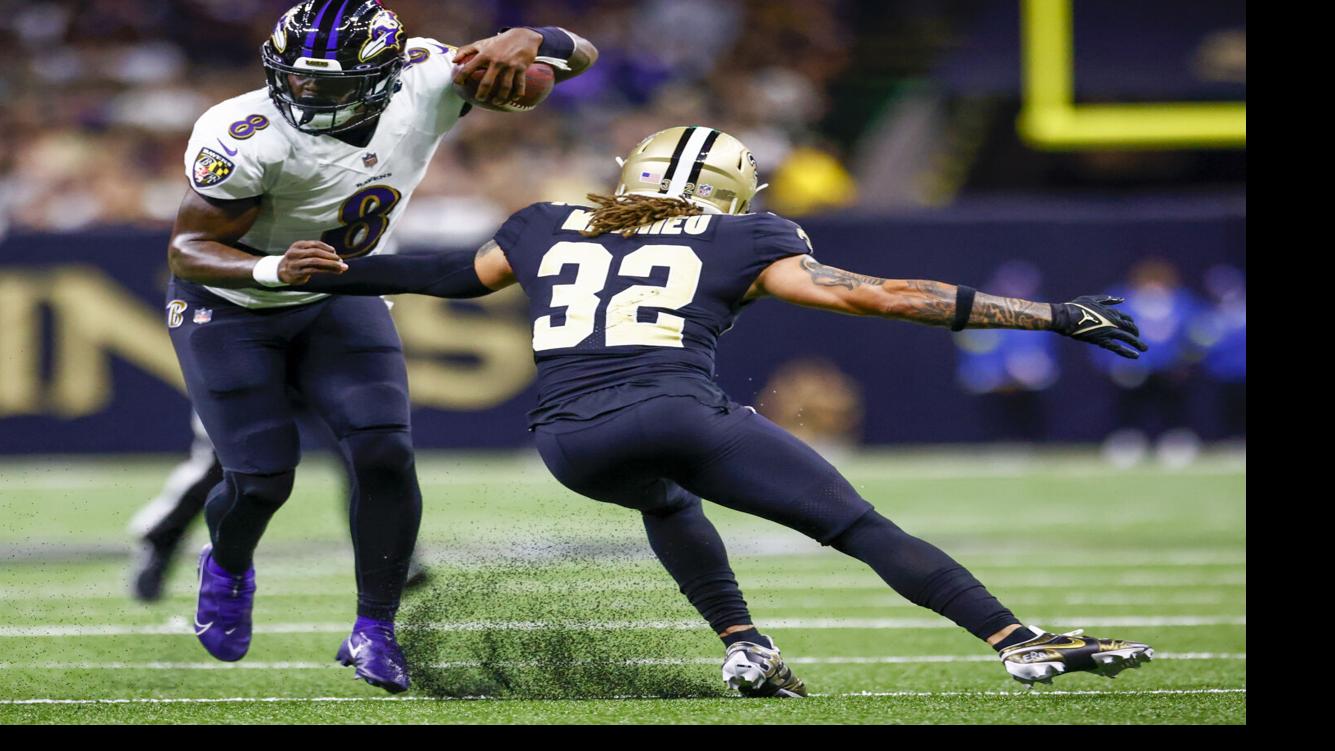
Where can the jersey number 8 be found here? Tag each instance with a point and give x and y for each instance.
(365, 218)
(623, 328)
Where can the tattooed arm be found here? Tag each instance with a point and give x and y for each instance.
(805, 281)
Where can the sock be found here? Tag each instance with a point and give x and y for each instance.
(1018, 636)
(218, 570)
(373, 624)
(751, 635)
(924, 575)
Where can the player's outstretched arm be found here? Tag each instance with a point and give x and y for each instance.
(804, 281)
(204, 247)
(456, 275)
(508, 54)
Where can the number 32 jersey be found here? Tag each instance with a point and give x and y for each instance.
(318, 187)
(619, 320)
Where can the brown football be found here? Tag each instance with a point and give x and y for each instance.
(539, 80)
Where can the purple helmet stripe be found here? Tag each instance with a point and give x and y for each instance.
(309, 45)
(331, 49)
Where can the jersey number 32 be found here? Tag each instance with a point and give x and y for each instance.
(623, 328)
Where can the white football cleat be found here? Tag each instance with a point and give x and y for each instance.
(756, 670)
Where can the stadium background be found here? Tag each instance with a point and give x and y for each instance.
(887, 129)
(903, 135)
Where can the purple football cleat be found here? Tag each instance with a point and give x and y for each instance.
(222, 618)
(373, 650)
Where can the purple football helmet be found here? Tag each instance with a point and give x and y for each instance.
(333, 65)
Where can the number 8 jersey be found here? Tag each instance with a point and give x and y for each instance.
(318, 187)
(618, 320)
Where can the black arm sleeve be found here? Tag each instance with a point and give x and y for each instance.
(435, 274)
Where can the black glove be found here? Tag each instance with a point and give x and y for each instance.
(1091, 318)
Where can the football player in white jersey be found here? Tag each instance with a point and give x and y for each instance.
(323, 159)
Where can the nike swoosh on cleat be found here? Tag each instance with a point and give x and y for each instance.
(229, 631)
(354, 651)
(200, 628)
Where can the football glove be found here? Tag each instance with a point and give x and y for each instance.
(1091, 318)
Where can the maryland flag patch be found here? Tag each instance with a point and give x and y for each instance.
(212, 168)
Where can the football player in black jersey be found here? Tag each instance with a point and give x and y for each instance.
(628, 298)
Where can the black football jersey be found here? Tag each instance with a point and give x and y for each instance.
(618, 320)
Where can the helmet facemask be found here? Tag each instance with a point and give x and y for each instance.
(346, 100)
(347, 58)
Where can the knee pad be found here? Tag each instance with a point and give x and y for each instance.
(380, 452)
(674, 500)
(263, 490)
(829, 509)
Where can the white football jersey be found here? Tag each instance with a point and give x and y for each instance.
(318, 187)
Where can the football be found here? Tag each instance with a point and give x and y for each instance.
(539, 80)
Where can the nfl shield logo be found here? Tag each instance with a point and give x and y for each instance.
(370, 159)
(203, 315)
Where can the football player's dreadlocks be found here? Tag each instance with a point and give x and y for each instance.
(625, 213)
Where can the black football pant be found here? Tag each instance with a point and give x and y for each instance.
(663, 455)
(167, 518)
(344, 359)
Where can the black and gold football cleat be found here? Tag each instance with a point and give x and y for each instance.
(756, 670)
(1047, 656)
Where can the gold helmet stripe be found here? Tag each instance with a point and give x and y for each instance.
(683, 165)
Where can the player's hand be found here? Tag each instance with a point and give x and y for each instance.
(305, 258)
(1091, 318)
(506, 57)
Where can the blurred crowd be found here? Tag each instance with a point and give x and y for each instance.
(1191, 337)
(100, 96)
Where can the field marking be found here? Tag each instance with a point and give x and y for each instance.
(291, 665)
(335, 558)
(1038, 692)
(527, 469)
(291, 583)
(858, 694)
(773, 598)
(181, 627)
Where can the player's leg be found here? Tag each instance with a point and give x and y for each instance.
(160, 526)
(314, 426)
(604, 461)
(741, 460)
(351, 372)
(609, 460)
(234, 365)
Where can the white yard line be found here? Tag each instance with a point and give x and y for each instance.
(48, 473)
(879, 596)
(182, 628)
(310, 579)
(853, 660)
(350, 699)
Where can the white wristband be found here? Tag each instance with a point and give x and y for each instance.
(266, 271)
(555, 62)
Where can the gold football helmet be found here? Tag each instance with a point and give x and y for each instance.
(706, 167)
